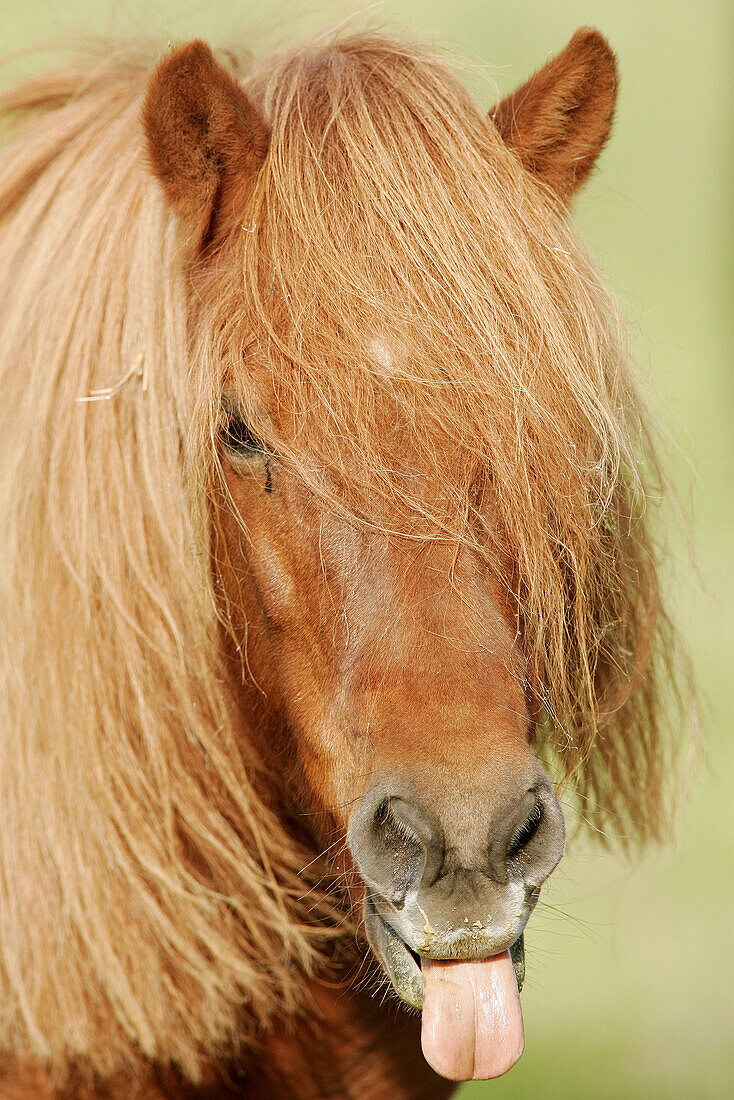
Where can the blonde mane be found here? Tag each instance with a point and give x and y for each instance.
(151, 900)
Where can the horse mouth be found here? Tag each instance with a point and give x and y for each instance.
(403, 965)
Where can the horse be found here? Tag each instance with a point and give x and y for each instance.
(328, 565)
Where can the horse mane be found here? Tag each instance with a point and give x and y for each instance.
(169, 889)
(170, 920)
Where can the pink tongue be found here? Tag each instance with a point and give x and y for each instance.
(472, 1021)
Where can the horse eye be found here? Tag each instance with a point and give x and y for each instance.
(237, 436)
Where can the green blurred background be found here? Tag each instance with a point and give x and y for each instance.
(630, 967)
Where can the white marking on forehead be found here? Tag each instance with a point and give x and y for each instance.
(381, 355)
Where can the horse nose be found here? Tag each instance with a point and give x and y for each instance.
(399, 843)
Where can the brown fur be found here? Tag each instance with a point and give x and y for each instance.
(559, 121)
(203, 134)
(346, 1048)
(160, 902)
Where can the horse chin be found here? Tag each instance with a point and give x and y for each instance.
(402, 965)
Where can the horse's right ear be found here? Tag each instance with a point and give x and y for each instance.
(204, 137)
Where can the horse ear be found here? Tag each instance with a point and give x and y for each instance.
(203, 134)
(558, 121)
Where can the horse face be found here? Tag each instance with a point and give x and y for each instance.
(394, 669)
(385, 675)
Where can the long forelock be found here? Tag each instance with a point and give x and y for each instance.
(389, 209)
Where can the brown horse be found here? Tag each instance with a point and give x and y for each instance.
(324, 494)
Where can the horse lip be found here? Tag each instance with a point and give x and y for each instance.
(398, 961)
(402, 964)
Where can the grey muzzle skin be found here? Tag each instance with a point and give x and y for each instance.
(468, 900)
(403, 966)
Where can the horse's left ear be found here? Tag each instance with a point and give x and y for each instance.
(558, 121)
(204, 137)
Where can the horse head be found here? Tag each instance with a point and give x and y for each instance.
(370, 592)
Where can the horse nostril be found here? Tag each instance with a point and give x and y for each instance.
(382, 813)
(392, 840)
(533, 839)
(525, 832)
(400, 844)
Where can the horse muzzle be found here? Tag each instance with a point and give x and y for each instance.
(450, 889)
(403, 963)
(452, 884)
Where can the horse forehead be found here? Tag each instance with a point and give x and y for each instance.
(381, 355)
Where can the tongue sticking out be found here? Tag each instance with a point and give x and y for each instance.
(472, 1021)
